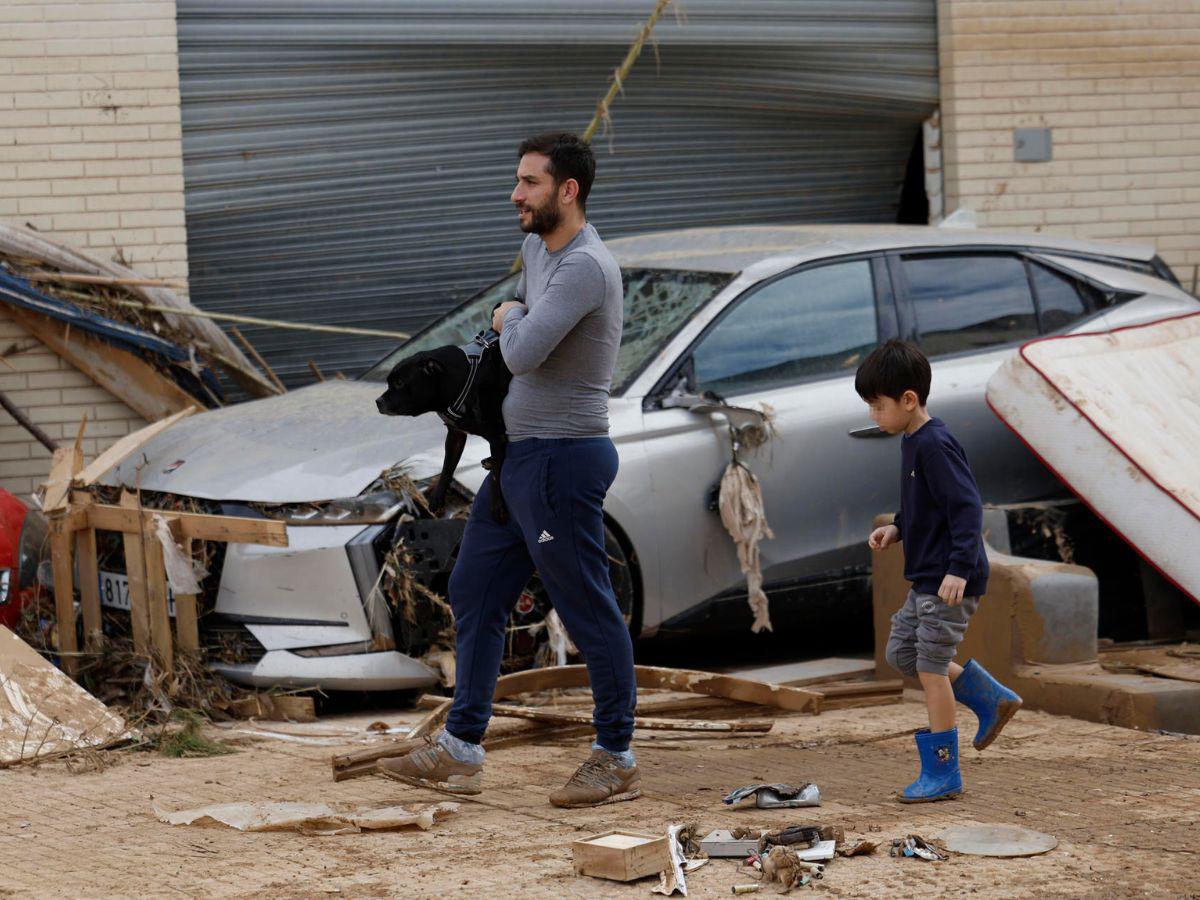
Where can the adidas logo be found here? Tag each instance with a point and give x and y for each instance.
(544, 537)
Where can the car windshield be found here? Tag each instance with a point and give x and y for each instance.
(657, 303)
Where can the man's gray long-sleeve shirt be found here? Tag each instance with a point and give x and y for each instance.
(562, 351)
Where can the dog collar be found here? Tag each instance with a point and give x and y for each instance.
(474, 351)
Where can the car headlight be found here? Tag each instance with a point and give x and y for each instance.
(365, 509)
(5, 583)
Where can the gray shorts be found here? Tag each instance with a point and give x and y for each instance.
(926, 632)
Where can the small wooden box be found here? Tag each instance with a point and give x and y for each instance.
(621, 855)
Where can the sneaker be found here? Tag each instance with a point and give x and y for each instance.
(598, 781)
(432, 766)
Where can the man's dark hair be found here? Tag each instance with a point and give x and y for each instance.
(569, 157)
(891, 369)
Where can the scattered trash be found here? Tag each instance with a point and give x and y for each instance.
(858, 848)
(272, 707)
(997, 840)
(915, 845)
(306, 818)
(686, 856)
(738, 844)
(43, 713)
(622, 855)
(784, 866)
(777, 796)
(752, 888)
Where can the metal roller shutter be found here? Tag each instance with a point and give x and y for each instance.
(350, 162)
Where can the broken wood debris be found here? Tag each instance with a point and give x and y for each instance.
(728, 687)
(306, 818)
(541, 714)
(72, 531)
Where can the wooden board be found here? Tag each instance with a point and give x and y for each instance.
(135, 571)
(158, 600)
(196, 526)
(64, 598)
(135, 382)
(64, 463)
(187, 614)
(89, 586)
(128, 445)
(727, 687)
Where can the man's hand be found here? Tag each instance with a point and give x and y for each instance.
(498, 314)
(952, 589)
(883, 537)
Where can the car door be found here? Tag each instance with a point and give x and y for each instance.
(791, 344)
(969, 310)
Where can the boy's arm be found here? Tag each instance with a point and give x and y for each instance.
(529, 336)
(953, 487)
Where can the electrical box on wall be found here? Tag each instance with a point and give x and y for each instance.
(1031, 144)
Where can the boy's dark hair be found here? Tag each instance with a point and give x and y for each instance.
(891, 369)
(569, 157)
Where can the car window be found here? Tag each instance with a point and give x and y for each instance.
(1060, 299)
(814, 322)
(968, 301)
(657, 303)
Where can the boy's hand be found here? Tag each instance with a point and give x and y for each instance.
(883, 537)
(499, 311)
(952, 589)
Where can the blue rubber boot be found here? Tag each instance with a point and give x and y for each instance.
(992, 703)
(940, 778)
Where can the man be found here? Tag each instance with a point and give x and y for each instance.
(560, 340)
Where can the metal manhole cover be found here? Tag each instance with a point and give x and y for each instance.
(997, 840)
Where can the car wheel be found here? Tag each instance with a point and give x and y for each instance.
(528, 636)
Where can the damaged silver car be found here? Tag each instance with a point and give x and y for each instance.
(776, 317)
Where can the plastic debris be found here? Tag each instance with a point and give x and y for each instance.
(687, 855)
(914, 845)
(777, 796)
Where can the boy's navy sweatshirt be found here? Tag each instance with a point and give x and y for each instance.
(941, 515)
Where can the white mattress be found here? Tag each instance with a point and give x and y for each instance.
(1116, 416)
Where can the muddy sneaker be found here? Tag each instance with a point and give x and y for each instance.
(432, 766)
(598, 781)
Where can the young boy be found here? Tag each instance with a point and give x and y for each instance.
(940, 522)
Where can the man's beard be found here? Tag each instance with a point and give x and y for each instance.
(543, 219)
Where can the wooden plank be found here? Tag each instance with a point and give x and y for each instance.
(861, 688)
(197, 526)
(542, 714)
(809, 671)
(135, 570)
(156, 594)
(708, 683)
(129, 444)
(274, 708)
(89, 586)
(187, 618)
(64, 599)
(135, 382)
(64, 463)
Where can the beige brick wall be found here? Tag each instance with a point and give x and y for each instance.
(90, 155)
(1118, 84)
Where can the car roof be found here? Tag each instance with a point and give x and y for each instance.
(774, 248)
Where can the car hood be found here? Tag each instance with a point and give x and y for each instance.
(316, 443)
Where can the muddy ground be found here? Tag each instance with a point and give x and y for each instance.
(1124, 805)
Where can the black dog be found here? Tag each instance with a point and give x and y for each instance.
(465, 386)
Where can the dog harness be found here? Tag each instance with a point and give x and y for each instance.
(474, 351)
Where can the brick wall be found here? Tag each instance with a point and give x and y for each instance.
(90, 155)
(1118, 84)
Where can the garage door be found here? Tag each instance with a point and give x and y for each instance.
(350, 162)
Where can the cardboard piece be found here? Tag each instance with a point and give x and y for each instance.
(43, 713)
(307, 818)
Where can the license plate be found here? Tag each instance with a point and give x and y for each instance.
(114, 592)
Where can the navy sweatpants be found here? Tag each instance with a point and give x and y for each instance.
(555, 493)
